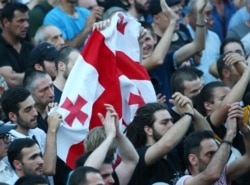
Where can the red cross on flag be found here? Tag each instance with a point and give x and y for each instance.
(107, 71)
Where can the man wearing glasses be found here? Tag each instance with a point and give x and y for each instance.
(5, 172)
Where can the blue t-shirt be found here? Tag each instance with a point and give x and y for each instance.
(221, 23)
(162, 76)
(69, 26)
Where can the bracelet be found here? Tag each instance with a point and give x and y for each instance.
(189, 114)
(226, 142)
(200, 25)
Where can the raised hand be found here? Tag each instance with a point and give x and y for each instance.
(109, 121)
(200, 5)
(54, 120)
(168, 12)
(182, 103)
(101, 25)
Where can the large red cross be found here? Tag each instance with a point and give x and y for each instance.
(75, 110)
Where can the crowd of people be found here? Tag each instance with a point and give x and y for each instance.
(196, 53)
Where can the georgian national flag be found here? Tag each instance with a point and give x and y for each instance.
(107, 71)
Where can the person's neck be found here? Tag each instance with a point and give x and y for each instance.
(68, 8)
(59, 82)
(42, 110)
(135, 13)
(157, 30)
(22, 130)
(13, 41)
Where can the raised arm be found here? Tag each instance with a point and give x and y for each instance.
(198, 44)
(162, 47)
(174, 135)
(236, 93)
(81, 37)
(240, 166)
(129, 158)
(50, 154)
(218, 162)
(97, 157)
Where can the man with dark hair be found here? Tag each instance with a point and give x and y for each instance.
(138, 8)
(19, 107)
(86, 176)
(14, 50)
(65, 61)
(31, 180)
(207, 163)
(154, 135)
(25, 157)
(186, 81)
(42, 58)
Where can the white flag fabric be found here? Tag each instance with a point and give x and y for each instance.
(107, 71)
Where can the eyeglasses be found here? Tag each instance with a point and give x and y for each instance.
(5, 137)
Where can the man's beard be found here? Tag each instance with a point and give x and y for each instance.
(140, 8)
(156, 135)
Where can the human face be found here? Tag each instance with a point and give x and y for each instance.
(106, 171)
(43, 93)
(219, 93)
(4, 144)
(148, 45)
(94, 179)
(27, 114)
(233, 47)
(208, 149)
(72, 59)
(19, 24)
(163, 122)
(55, 37)
(208, 15)
(192, 88)
(50, 68)
(32, 162)
(142, 6)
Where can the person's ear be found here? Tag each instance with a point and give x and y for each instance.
(12, 116)
(148, 130)
(207, 105)
(38, 67)
(193, 160)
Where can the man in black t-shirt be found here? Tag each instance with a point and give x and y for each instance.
(14, 50)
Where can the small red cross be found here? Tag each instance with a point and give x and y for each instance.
(75, 110)
(121, 25)
(136, 99)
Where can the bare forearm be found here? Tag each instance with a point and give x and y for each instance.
(126, 149)
(238, 90)
(50, 154)
(97, 157)
(78, 41)
(200, 122)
